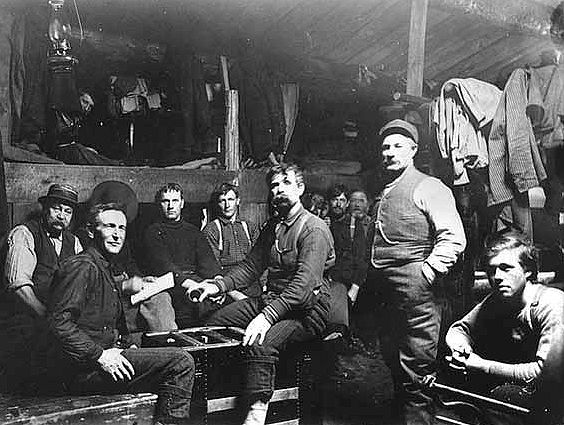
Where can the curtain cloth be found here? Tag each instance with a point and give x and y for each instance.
(290, 97)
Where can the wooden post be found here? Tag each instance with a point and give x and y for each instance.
(225, 73)
(416, 50)
(232, 131)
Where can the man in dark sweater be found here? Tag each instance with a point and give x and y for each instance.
(349, 233)
(174, 245)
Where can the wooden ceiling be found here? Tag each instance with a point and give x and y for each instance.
(327, 40)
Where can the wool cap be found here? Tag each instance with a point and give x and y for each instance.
(399, 126)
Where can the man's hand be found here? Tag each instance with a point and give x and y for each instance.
(475, 362)
(258, 328)
(112, 362)
(353, 292)
(205, 288)
(460, 353)
(461, 348)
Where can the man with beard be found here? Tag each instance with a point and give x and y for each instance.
(34, 252)
(297, 249)
(86, 315)
(416, 238)
(174, 245)
(349, 232)
(230, 236)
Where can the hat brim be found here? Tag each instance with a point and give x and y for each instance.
(119, 192)
(399, 130)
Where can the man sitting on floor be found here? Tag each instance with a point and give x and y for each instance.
(508, 339)
(85, 313)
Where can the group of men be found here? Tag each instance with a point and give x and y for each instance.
(71, 296)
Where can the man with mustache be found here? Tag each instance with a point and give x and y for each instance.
(349, 232)
(297, 249)
(34, 252)
(416, 238)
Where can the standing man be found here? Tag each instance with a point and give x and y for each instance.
(174, 245)
(34, 252)
(231, 237)
(417, 237)
(297, 249)
(349, 224)
(358, 207)
(516, 334)
(87, 318)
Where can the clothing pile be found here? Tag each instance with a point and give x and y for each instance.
(516, 133)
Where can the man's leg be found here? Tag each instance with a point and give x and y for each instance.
(237, 314)
(260, 363)
(419, 323)
(168, 372)
(158, 313)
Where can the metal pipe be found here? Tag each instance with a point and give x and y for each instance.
(492, 401)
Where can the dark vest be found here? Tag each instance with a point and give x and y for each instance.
(47, 259)
(402, 232)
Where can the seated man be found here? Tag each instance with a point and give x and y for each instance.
(231, 237)
(511, 334)
(34, 251)
(155, 313)
(85, 313)
(174, 245)
(297, 248)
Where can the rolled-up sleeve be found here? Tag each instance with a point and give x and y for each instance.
(21, 259)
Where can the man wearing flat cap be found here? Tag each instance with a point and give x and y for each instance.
(34, 252)
(416, 237)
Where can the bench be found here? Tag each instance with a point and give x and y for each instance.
(94, 409)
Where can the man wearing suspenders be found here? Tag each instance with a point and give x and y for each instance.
(297, 249)
(230, 236)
